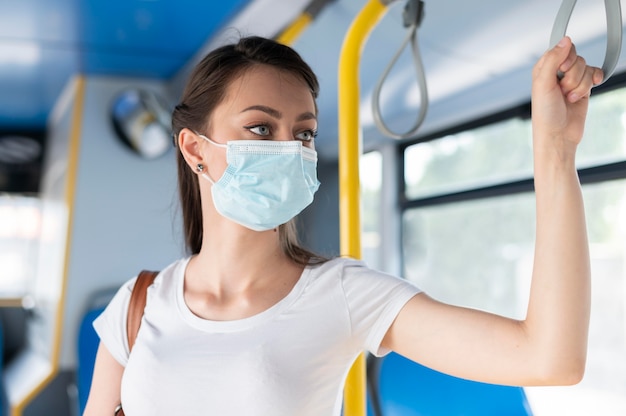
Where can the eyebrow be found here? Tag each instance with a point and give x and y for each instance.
(277, 114)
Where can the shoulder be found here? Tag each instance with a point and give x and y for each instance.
(347, 267)
(163, 281)
(341, 266)
(167, 282)
(372, 299)
(171, 272)
(111, 323)
(355, 274)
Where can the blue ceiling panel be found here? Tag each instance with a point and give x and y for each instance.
(27, 96)
(44, 42)
(127, 64)
(37, 57)
(147, 38)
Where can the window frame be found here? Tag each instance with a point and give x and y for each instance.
(593, 174)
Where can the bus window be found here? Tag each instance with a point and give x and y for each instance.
(605, 130)
(491, 154)
(371, 180)
(19, 243)
(442, 256)
(440, 235)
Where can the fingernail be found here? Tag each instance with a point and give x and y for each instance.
(562, 43)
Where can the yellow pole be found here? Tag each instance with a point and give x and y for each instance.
(293, 31)
(349, 187)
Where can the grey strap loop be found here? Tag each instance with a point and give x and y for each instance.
(413, 14)
(614, 31)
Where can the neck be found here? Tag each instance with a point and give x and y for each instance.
(235, 257)
(238, 274)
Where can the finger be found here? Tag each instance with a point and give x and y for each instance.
(570, 61)
(598, 76)
(573, 76)
(590, 77)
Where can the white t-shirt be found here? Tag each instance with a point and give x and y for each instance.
(290, 359)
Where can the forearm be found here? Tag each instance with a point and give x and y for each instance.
(558, 315)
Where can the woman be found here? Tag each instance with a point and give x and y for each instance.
(251, 323)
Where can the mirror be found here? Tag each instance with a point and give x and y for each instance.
(142, 122)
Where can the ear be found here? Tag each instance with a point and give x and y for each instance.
(190, 145)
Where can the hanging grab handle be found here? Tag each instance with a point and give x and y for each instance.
(614, 32)
(412, 15)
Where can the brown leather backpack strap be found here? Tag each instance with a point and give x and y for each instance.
(137, 304)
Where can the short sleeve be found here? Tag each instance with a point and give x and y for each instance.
(374, 301)
(110, 325)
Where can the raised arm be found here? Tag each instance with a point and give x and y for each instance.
(104, 395)
(550, 345)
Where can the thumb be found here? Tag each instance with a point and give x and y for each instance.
(549, 67)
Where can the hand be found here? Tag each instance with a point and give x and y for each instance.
(559, 106)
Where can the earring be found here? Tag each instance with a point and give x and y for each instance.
(200, 167)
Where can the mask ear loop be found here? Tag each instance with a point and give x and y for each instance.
(211, 141)
(208, 178)
(200, 166)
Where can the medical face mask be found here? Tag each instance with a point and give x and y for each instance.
(266, 183)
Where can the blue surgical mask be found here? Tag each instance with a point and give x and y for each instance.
(266, 183)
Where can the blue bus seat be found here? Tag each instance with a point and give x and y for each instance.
(88, 342)
(3, 401)
(401, 387)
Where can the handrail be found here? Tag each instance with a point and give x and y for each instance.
(614, 32)
(349, 153)
(412, 15)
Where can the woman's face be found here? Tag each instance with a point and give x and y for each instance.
(262, 104)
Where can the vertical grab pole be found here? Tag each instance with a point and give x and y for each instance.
(349, 153)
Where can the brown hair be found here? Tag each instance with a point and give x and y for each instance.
(205, 90)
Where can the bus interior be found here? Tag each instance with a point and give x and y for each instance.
(88, 178)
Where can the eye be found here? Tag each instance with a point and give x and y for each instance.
(260, 130)
(306, 135)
